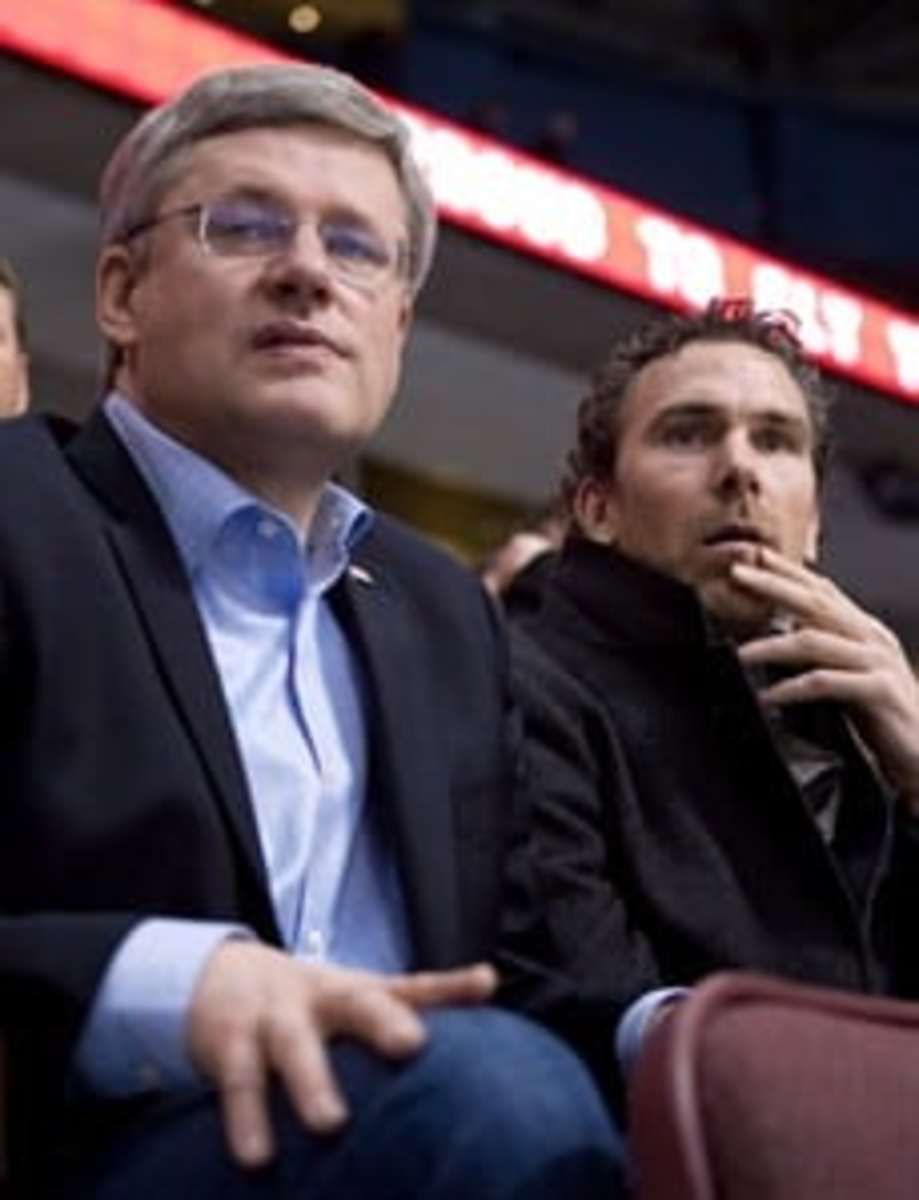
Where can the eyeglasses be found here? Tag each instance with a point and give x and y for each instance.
(247, 227)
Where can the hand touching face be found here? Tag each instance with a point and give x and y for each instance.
(841, 654)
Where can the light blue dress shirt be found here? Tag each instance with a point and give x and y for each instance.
(294, 691)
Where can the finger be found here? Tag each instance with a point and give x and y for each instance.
(762, 578)
(794, 594)
(811, 584)
(808, 646)
(241, 1087)
(779, 564)
(373, 1016)
(464, 985)
(297, 1053)
(811, 600)
(842, 687)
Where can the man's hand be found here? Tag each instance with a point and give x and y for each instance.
(844, 655)
(258, 1013)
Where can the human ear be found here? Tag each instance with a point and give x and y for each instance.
(596, 511)
(116, 279)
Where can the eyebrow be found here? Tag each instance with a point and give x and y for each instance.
(705, 410)
(682, 411)
(344, 210)
(693, 408)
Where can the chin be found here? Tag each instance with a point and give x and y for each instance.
(740, 616)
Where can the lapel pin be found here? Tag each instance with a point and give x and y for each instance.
(360, 575)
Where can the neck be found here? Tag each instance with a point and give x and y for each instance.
(289, 476)
(296, 499)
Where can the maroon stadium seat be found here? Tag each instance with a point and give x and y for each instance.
(758, 1089)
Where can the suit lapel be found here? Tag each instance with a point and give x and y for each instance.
(160, 591)
(408, 777)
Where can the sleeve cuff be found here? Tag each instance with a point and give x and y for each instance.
(134, 1037)
(635, 1021)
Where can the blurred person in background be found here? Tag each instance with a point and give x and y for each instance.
(514, 570)
(14, 355)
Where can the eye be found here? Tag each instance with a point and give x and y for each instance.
(773, 438)
(355, 246)
(686, 434)
(245, 226)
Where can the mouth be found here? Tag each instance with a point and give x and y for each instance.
(283, 336)
(737, 534)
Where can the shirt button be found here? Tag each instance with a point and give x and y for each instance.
(267, 529)
(314, 943)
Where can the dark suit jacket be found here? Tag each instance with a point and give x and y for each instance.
(671, 835)
(122, 789)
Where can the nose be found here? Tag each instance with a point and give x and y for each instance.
(737, 466)
(301, 272)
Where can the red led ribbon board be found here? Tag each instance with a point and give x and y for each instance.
(148, 50)
(140, 48)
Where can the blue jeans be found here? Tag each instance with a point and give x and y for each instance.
(493, 1108)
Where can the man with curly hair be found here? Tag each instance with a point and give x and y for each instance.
(728, 744)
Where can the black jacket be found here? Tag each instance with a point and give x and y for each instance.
(121, 790)
(671, 836)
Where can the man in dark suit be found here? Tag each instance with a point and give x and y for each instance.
(729, 745)
(258, 802)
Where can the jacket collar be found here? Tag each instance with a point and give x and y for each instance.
(629, 602)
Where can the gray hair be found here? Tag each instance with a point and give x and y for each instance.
(143, 166)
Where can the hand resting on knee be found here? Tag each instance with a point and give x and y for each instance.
(259, 1013)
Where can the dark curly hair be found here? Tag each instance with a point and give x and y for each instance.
(594, 456)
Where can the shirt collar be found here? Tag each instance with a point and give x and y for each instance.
(197, 498)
